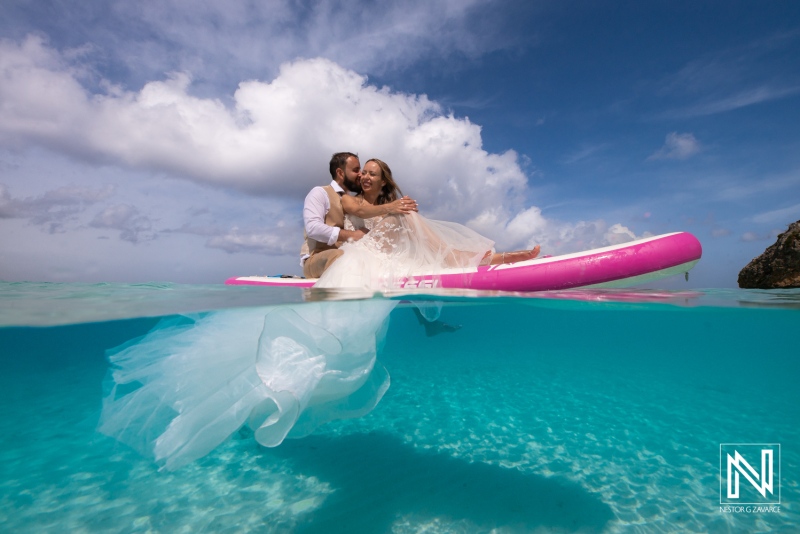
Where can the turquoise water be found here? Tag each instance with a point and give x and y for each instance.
(583, 411)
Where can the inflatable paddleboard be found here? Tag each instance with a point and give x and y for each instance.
(624, 265)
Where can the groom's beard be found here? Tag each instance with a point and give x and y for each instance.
(352, 185)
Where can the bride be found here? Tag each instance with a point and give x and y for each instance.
(399, 246)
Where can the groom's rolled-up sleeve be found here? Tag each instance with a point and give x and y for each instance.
(315, 208)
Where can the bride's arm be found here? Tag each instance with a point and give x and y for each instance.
(365, 210)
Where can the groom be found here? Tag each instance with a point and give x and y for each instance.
(323, 214)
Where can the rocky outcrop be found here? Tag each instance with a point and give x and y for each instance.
(778, 267)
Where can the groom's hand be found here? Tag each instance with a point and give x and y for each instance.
(351, 235)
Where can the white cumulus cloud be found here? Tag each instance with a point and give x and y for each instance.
(274, 139)
(677, 146)
(529, 228)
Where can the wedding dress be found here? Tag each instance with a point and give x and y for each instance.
(182, 389)
(400, 246)
(185, 387)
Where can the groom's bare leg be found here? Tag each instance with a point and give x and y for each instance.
(317, 263)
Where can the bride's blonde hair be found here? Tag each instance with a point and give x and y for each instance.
(389, 192)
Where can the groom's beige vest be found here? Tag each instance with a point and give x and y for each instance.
(334, 217)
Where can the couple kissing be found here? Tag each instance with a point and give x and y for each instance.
(360, 231)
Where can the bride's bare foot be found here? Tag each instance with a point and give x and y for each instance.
(513, 257)
(530, 254)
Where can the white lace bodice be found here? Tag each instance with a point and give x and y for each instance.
(351, 222)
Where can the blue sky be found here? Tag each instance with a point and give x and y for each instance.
(166, 141)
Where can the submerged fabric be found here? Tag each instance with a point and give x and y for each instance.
(185, 387)
(398, 247)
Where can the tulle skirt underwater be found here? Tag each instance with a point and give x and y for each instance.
(186, 386)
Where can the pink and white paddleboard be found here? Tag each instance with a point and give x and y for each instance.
(627, 264)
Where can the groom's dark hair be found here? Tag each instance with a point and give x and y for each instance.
(339, 160)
